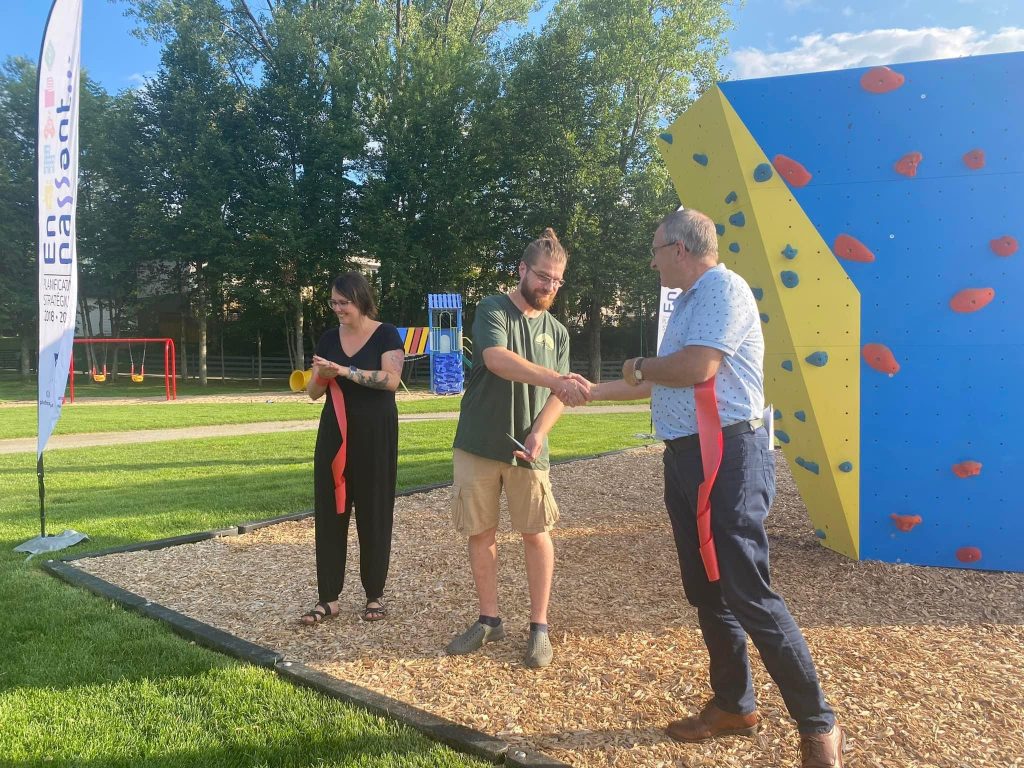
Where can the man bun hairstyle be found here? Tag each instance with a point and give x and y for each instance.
(545, 246)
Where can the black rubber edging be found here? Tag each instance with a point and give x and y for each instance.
(155, 544)
(257, 524)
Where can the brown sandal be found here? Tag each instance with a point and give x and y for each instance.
(375, 614)
(311, 617)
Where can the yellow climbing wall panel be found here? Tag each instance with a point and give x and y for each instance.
(810, 309)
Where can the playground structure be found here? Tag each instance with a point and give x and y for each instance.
(100, 373)
(875, 214)
(441, 341)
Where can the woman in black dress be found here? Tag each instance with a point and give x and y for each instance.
(355, 463)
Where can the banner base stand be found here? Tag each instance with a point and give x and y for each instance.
(63, 540)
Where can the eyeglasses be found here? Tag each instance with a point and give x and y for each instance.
(655, 248)
(554, 281)
(339, 303)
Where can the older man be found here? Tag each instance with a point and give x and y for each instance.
(708, 380)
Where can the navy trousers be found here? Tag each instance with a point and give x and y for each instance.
(742, 602)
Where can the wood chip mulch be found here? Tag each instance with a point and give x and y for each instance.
(922, 665)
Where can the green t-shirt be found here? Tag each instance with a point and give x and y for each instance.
(492, 405)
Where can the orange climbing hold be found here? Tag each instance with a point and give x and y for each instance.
(968, 554)
(972, 299)
(975, 159)
(852, 249)
(881, 80)
(967, 468)
(905, 522)
(907, 165)
(1004, 246)
(791, 171)
(881, 358)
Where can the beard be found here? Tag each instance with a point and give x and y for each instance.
(538, 302)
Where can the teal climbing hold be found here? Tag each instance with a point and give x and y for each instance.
(846, 466)
(720, 229)
(810, 466)
(763, 172)
(818, 359)
(777, 415)
(731, 198)
(734, 247)
(764, 317)
(666, 137)
(700, 159)
(758, 293)
(783, 437)
(800, 415)
(789, 279)
(738, 219)
(787, 364)
(789, 251)
(820, 533)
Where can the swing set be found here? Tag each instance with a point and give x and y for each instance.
(98, 373)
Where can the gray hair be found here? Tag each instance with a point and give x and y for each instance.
(694, 230)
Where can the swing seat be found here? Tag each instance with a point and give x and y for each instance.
(138, 378)
(100, 377)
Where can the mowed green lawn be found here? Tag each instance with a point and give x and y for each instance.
(86, 683)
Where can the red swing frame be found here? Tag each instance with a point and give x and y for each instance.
(170, 363)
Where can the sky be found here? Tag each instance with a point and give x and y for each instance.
(771, 37)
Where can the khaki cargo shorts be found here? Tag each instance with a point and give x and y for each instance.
(476, 495)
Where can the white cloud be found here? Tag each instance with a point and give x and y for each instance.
(140, 79)
(843, 50)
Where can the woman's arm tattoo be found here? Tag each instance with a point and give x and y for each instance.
(371, 379)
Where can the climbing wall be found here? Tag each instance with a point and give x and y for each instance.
(876, 214)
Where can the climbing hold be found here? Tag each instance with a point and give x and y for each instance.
(730, 198)
(789, 279)
(700, 159)
(720, 229)
(968, 554)
(881, 358)
(787, 365)
(971, 299)
(801, 416)
(764, 317)
(967, 469)
(666, 137)
(820, 533)
(846, 466)
(738, 219)
(777, 414)
(975, 159)
(810, 466)
(881, 80)
(758, 293)
(818, 359)
(789, 251)
(852, 249)
(783, 437)
(1003, 246)
(763, 172)
(791, 171)
(907, 165)
(905, 522)
(734, 247)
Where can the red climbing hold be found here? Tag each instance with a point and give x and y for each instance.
(907, 165)
(968, 554)
(975, 159)
(791, 171)
(967, 468)
(881, 80)
(905, 522)
(852, 249)
(881, 358)
(1004, 246)
(971, 299)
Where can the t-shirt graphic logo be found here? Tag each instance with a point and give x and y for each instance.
(545, 340)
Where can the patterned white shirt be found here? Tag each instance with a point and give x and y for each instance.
(718, 311)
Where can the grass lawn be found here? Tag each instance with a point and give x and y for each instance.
(85, 683)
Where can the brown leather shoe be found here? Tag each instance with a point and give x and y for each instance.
(822, 750)
(711, 723)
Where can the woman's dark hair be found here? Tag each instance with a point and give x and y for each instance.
(353, 286)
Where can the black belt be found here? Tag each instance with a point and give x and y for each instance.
(730, 430)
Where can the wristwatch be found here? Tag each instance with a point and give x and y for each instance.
(638, 374)
(352, 371)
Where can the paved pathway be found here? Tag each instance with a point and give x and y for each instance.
(56, 442)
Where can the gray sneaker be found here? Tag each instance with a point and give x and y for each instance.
(538, 650)
(474, 638)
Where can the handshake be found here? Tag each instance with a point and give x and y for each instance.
(573, 389)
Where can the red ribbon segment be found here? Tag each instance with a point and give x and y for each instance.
(709, 429)
(338, 462)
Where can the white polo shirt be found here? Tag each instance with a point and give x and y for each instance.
(718, 311)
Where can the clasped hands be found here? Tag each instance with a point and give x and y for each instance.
(325, 369)
(573, 390)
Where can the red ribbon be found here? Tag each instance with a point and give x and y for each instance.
(338, 462)
(709, 428)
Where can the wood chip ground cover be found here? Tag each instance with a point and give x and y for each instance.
(922, 665)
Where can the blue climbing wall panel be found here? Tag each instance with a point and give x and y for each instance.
(922, 164)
